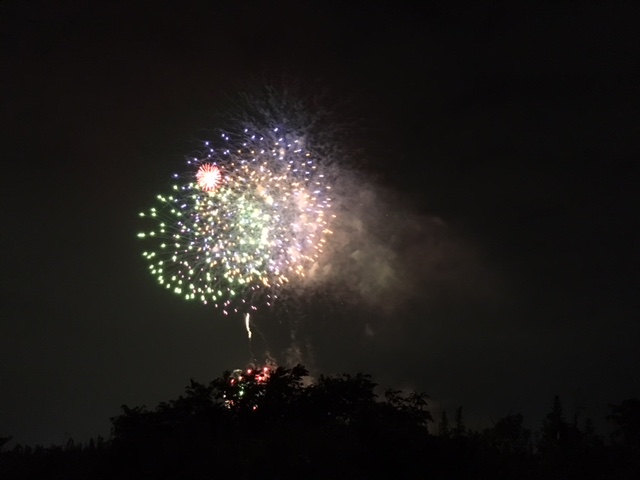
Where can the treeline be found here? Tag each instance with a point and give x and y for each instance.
(277, 424)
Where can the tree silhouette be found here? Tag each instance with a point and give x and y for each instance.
(443, 426)
(508, 436)
(4, 441)
(554, 428)
(257, 423)
(626, 419)
(459, 428)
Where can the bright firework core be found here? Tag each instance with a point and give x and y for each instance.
(208, 177)
(264, 226)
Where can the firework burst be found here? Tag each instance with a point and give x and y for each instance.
(246, 220)
(208, 177)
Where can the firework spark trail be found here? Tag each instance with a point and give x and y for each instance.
(244, 222)
(247, 325)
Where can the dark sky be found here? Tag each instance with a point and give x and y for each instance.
(500, 142)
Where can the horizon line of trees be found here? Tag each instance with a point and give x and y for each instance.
(276, 423)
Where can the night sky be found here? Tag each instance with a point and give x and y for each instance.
(496, 169)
